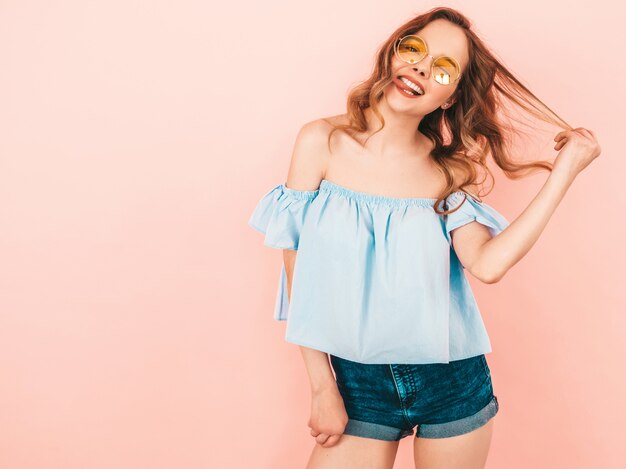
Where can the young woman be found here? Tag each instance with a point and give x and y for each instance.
(383, 227)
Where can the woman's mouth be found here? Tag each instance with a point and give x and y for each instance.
(407, 87)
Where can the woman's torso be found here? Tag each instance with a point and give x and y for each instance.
(376, 279)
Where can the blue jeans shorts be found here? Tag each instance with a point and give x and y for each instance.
(386, 402)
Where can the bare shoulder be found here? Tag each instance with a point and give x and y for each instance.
(309, 159)
(471, 189)
(317, 131)
(313, 133)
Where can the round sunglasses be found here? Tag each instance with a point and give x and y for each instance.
(412, 49)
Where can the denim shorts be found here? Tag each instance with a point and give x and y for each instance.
(386, 401)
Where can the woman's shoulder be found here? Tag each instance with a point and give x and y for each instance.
(311, 155)
(309, 158)
(318, 130)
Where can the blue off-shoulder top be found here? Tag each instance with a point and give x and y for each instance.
(376, 279)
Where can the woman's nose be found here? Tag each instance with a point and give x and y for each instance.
(423, 66)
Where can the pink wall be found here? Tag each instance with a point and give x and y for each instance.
(135, 302)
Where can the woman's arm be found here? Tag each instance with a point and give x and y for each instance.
(328, 417)
(328, 414)
(316, 361)
(306, 169)
(487, 258)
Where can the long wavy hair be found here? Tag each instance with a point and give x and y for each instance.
(474, 124)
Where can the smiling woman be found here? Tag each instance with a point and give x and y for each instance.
(378, 232)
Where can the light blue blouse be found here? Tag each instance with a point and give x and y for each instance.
(376, 279)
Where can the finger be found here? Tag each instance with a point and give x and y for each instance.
(564, 134)
(592, 136)
(321, 438)
(332, 440)
(563, 139)
(560, 143)
(584, 132)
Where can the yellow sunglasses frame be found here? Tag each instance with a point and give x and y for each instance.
(397, 53)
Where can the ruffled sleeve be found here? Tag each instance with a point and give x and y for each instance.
(473, 210)
(280, 214)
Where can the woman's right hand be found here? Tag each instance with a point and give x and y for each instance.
(577, 149)
(328, 416)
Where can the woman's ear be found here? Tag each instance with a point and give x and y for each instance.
(447, 104)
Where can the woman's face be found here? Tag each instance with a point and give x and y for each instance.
(442, 38)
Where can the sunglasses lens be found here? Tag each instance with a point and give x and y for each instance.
(411, 49)
(445, 70)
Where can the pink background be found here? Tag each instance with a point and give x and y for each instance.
(136, 303)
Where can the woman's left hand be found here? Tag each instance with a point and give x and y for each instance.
(578, 148)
